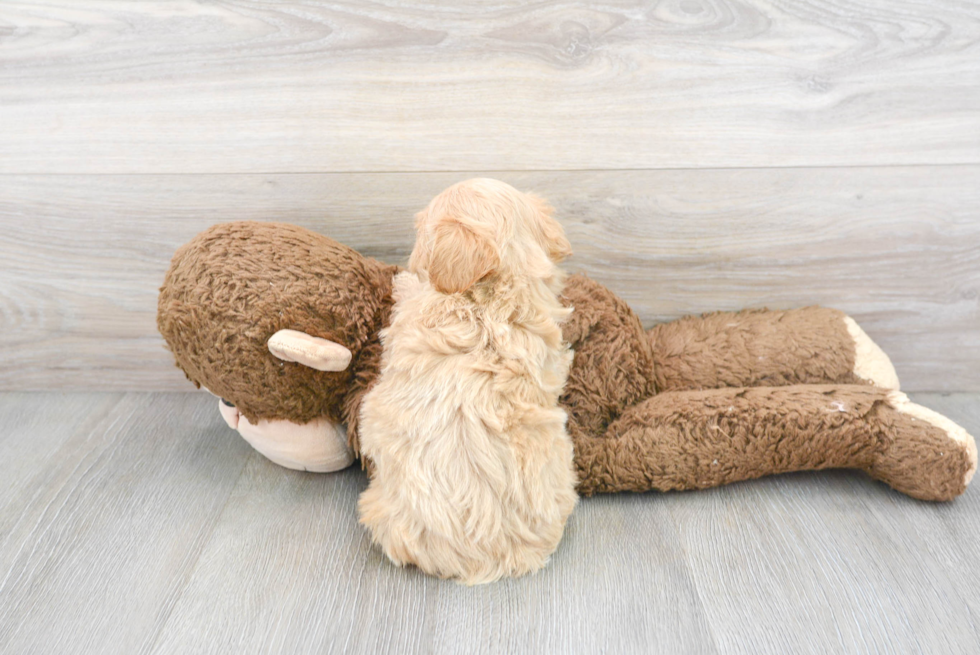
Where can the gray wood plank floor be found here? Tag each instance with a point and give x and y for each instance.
(138, 523)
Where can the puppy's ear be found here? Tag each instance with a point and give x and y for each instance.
(550, 233)
(456, 254)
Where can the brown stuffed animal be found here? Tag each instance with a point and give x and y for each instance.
(283, 324)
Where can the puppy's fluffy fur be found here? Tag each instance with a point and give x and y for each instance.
(473, 475)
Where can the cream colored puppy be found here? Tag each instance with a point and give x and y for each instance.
(473, 476)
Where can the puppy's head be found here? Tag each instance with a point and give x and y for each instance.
(481, 228)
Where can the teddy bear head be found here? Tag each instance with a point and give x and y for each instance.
(234, 286)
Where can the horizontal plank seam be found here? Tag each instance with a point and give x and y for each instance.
(506, 170)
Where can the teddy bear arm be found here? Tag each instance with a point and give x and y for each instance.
(698, 439)
(812, 345)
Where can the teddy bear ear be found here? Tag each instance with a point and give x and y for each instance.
(315, 352)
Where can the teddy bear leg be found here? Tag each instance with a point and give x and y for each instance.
(319, 446)
(812, 345)
(706, 438)
(921, 452)
(871, 364)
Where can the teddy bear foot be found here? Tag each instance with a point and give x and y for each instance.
(924, 454)
(319, 446)
(870, 361)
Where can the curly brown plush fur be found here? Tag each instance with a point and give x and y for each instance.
(690, 404)
(235, 285)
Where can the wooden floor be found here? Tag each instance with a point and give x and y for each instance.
(139, 523)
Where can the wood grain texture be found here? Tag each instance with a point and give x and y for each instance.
(241, 86)
(37, 428)
(898, 248)
(147, 526)
(107, 526)
(294, 572)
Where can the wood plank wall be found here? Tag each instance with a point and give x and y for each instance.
(703, 154)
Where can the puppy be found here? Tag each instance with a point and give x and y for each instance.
(473, 476)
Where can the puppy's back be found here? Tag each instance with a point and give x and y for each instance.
(473, 468)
